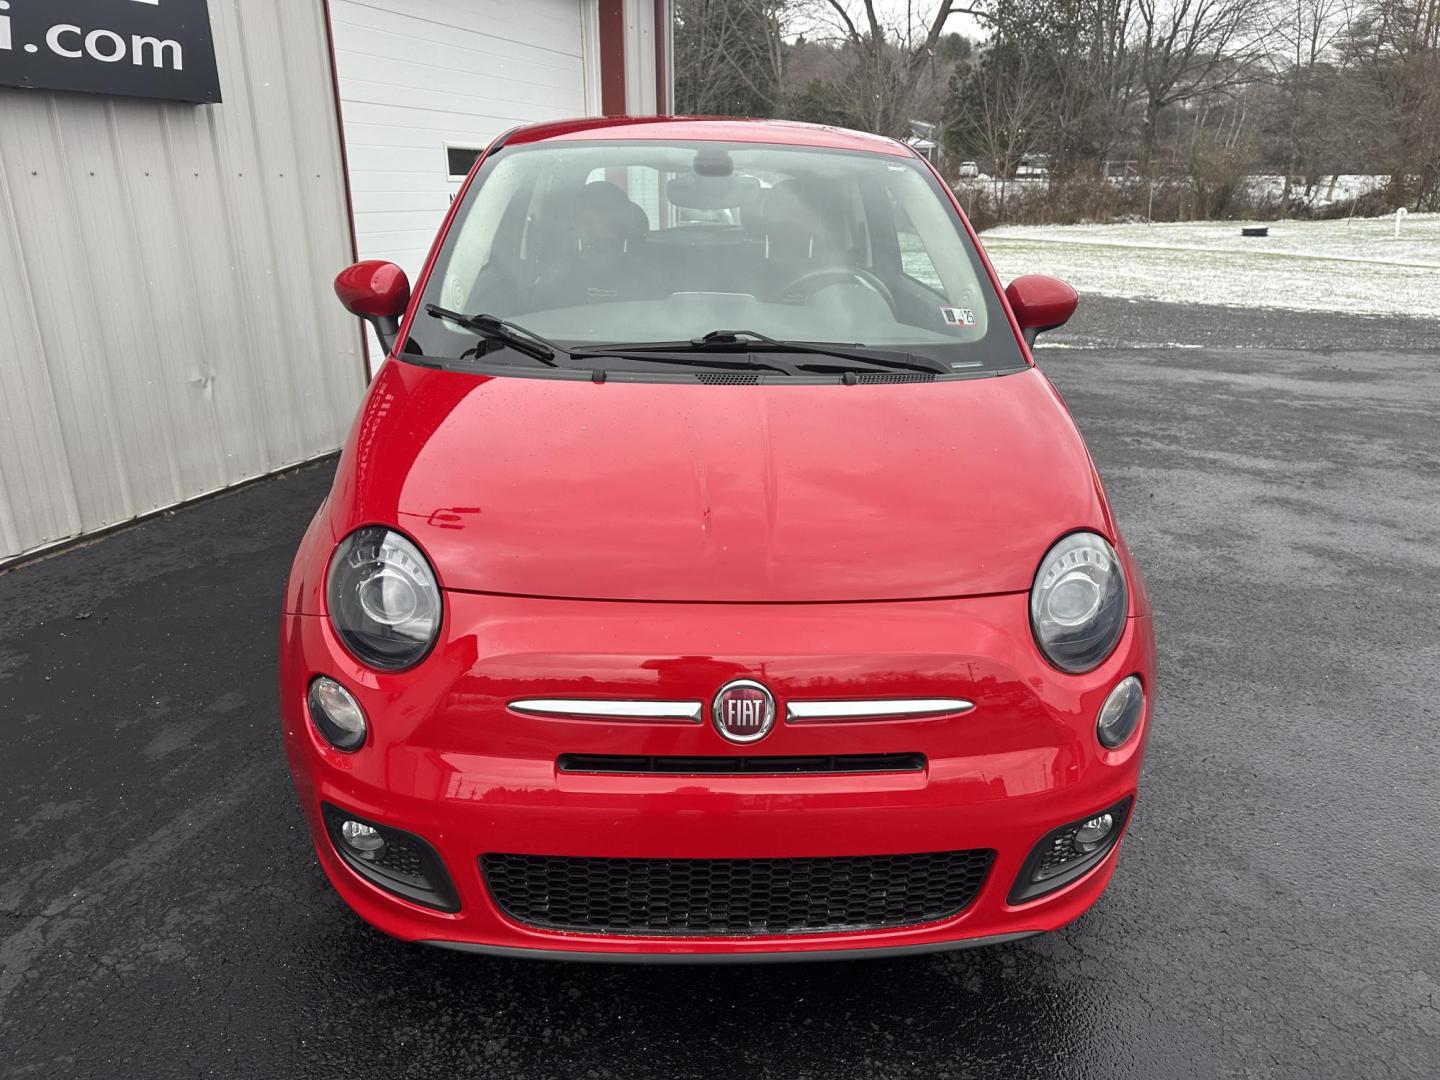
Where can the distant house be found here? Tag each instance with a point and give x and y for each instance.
(1033, 167)
(922, 139)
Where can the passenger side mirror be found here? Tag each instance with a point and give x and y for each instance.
(1040, 303)
(378, 292)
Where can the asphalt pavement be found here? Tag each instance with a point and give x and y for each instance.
(1275, 908)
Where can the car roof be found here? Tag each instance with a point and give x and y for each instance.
(705, 128)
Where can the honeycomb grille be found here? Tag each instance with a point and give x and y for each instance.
(1061, 852)
(729, 378)
(899, 376)
(733, 896)
(402, 857)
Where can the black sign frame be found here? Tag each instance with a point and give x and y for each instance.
(125, 48)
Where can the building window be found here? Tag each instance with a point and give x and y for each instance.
(460, 159)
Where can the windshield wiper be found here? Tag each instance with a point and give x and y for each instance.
(733, 340)
(490, 328)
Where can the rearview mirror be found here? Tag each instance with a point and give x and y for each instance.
(712, 192)
(1040, 303)
(378, 292)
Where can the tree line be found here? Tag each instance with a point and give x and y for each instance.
(1199, 92)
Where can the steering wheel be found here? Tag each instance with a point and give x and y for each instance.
(808, 284)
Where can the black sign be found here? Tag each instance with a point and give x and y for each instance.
(134, 48)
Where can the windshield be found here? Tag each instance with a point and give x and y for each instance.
(605, 243)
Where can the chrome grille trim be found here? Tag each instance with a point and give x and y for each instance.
(683, 712)
(824, 712)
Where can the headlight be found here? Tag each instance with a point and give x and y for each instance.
(1077, 604)
(384, 602)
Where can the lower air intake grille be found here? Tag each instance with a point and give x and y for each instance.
(401, 856)
(733, 896)
(404, 864)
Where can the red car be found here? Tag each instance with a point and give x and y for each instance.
(710, 572)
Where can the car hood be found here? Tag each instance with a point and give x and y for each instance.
(666, 492)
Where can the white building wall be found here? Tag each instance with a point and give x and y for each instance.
(167, 326)
(416, 76)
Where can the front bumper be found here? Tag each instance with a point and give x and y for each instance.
(449, 762)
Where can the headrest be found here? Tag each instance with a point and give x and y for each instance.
(609, 202)
(603, 197)
(794, 215)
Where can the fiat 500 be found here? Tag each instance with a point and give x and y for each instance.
(710, 572)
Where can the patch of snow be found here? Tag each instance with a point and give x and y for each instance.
(1082, 345)
(1328, 190)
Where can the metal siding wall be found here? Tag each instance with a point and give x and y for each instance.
(166, 321)
(640, 84)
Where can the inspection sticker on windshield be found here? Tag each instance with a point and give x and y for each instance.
(958, 316)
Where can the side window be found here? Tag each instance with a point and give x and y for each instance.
(914, 256)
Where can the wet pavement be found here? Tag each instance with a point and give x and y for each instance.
(1274, 912)
(1112, 322)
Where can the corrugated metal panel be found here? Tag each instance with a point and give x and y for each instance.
(416, 75)
(166, 321)
(640, 82)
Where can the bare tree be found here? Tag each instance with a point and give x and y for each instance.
(730, 56)
(1083, 50)
(1112, 71)
(1397, 43)
(1003, 105)
(1304, 37)
(1189, 47)
(887, 59)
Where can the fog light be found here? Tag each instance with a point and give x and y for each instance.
(364, 840)
(1121, 713)
(336, 714)
(1093, 833)
(392, 859)
(1065, 854)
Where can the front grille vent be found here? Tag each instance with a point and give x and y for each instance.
(750, 378)
(740, 765)
(729, 378)
(898, 376)
(733, 896)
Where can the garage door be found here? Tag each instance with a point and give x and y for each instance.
(425, 83)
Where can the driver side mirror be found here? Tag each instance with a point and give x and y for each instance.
(1040, 303)
(378, 292)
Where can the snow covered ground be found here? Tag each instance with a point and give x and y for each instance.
(1326, 191)
(1351, 266)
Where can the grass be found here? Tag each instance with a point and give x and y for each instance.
(1352, 266)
